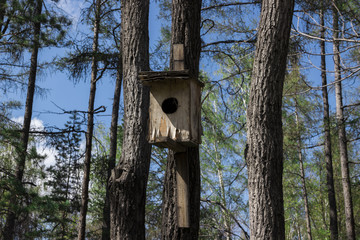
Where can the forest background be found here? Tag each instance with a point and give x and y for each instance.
(51, 188)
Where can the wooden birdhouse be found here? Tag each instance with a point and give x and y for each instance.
(175, 106)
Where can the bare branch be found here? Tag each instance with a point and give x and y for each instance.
(251, 40)
(228, 212)
(351, 105)
(229, 4)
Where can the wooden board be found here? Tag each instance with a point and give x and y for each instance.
(182, 190)
(179, 56)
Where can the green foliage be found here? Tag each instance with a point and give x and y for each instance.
(78, 60)
(223, 169)
(50, 198)
(64, 182)
(17, 38)
(31, 203)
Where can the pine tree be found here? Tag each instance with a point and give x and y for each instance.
(64, 181)
(129, 178)
(264, 154)
(39, 39)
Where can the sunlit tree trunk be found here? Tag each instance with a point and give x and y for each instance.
(302, 175)
(345, 173)
(219, 169)
(226, 220)
(264, 151)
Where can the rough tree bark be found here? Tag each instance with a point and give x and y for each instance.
(186, 20)
(128, 180)
(90, 124)
(327, 138)
(345, 175)
(113, 148)
(9, 228)
(264, 151)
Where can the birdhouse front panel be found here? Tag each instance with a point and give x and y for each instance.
(174, 112)
(169, 111)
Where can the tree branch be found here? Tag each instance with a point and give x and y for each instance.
(351, 105)
(228, 5)
(252, 40)
(228, 212)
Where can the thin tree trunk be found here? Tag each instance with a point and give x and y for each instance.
(264, 151)
(9, 228)
(90, 126)
(128, 180)
(327, 147)
(345, 175)
(302, 174)
(113, 148)
(185, 30)
(2, 15)
(226, 220)
(217, 162)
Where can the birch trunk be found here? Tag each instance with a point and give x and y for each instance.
(302, 174)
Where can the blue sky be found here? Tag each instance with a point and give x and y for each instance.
(62, 91)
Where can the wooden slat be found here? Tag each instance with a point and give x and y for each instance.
(178, 56)
(163, 74)
(166, 142)
(182, 190)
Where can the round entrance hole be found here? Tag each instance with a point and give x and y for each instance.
(169, 105)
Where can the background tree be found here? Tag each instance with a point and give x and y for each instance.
(345, 172)
(327, 134)
(64, 181)
(90, 120)
(39, 39)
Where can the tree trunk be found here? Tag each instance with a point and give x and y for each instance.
(327, 138)
(2, 16)
(349, 216)
(264, 152)
(302, 174)
(90, 126)
(186, 20)
(170, 229)
(128, 180)
(9, 228)
(226, 219)
(113, 148)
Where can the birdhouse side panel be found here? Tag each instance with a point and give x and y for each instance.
(176, 124)
(195, 110)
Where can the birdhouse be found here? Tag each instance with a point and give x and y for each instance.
(175, 108)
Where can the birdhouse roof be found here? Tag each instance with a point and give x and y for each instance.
(147, 77)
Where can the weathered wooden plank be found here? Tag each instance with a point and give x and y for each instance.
(166, 142)
(178, 53)
(182, 190)
(178, 56)
(163, 74)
